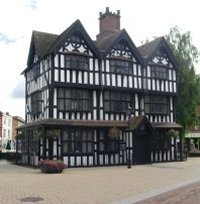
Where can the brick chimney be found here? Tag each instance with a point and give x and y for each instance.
(109, 23)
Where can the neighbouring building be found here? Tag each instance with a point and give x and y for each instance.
(6, 129)
(1, 130)
(8, 125)
(192, 135)
(99, 102)
(16, 122)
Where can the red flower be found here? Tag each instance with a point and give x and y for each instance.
(51, 166)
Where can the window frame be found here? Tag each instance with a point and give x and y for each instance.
(118, 66)
(36, 103)
(107, 144)
(78, 142)
(77, 62)
(117, 102)
(74, 100)
(159, 72)
(153, 102)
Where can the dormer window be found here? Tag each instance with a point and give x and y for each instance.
(118, 66)
(159, 72)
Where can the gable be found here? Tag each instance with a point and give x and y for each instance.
(40, 42)
(74, 38)
(76, 43)
(158, 52)
(140, 123)
(161, 58)
(119, 44)
(121, 49)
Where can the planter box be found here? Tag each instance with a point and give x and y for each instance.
(51, 166)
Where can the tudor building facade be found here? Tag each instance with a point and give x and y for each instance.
(92, 103)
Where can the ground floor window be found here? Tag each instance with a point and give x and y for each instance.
(34, 143)
(161, 141)
(22, 143)
(107, 144)
(78, 141)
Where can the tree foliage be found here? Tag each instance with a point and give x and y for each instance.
(187, 55)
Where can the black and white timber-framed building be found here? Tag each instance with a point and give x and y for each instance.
(102, 102)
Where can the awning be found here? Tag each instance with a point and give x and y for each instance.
(167, 125)
(80, 123)
(195, 134)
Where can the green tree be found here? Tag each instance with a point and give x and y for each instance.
(187, 55)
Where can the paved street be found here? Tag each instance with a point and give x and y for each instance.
(110, 185)
(189, 194)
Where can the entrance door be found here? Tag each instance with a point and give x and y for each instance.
(141, 149)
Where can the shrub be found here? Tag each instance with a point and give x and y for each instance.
(51, 166)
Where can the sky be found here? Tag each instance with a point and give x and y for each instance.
(142, 19)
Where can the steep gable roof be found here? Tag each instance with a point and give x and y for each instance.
(45, 43)
(40, 43)
(106, 44)
(149, 50)
(75, 27)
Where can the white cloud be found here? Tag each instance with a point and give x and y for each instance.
(19, 90)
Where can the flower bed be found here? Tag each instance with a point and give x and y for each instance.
(51, 166)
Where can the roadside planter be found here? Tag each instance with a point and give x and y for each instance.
(51, 166)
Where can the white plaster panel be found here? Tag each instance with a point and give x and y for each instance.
(68, 76)
(73, 76)
(96, 65)
(149, 84)
(113, 80)
(55, 75)
(153, 84)
(91, 78)
(91, 64)
(136, 102)
(62, 75)
(79, 77)
(135, 82)
(56, 61)
(130, 81)
(62, 61)
(125, 81)
(95, 114)
(140, 83)
(96, 78)
(166, 86)
(175, 87)
(107, 65)
(119, 80)
(85, 78)
(108, 79)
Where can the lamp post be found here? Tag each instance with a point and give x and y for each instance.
(128, 159)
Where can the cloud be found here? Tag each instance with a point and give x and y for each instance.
(19, 90)
(6, 39)
(32, 4)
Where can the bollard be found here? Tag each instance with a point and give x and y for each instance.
(128, 163)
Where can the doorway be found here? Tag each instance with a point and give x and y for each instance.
(141, 149)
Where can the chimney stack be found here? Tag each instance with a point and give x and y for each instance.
(109, 23)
